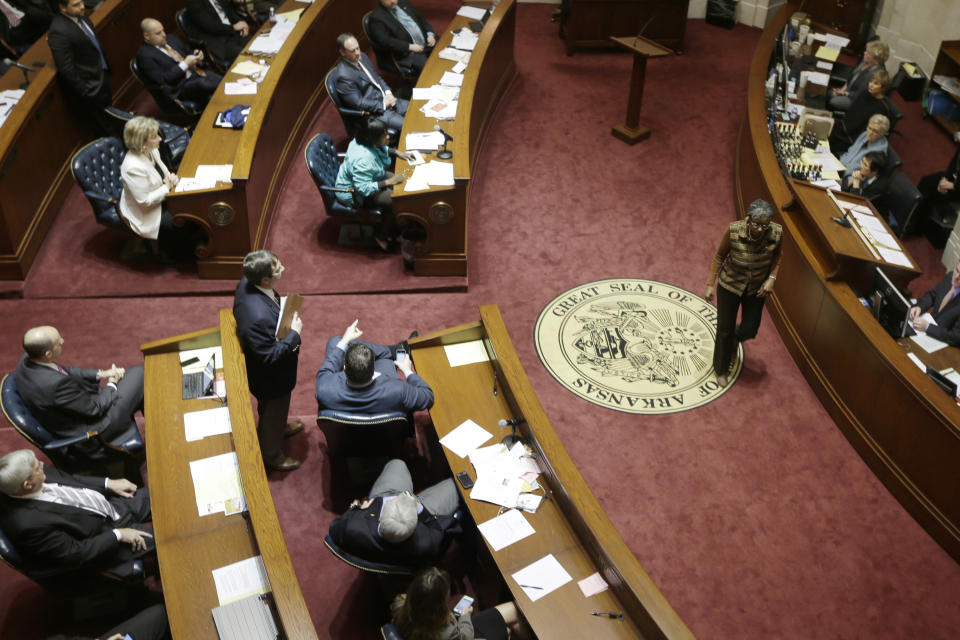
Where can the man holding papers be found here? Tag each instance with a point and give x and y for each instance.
(361, 377)
(61, 521)
(942, 301)
(271, 363)
(396, 29)
(395, 526)
(360, 87)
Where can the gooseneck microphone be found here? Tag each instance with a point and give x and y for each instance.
(513, 438)
(444, 153)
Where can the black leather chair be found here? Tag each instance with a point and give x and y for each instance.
(194, 37)
(112, 458)
(378, 568)
(171, 107)
(363, 442)
(96, 168)
(387, 61)
(390, 632)
(174, 138)
(902, 201)
(351, 117)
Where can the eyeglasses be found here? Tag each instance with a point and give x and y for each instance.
(758, 225)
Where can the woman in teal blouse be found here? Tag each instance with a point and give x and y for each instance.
(366, 170)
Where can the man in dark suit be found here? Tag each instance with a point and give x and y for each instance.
(61, 521)
(223, 31)
(69, 401)
(168, 65)
(360, 87)
(942, 186)
(361, 377)
(867, 181)
(81, 64)
(27, 20)
(943, 301)
(271, 363)
(397, 29)
(395, 526)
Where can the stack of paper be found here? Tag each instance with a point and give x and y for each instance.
(209, 422)
(241, 580)
(473, 13)
(440, 109)
(465, 40)
(427, 141)
(451, 79)
(8, 100)
(217, 486)
(242, 87)
(436, 92)
(433, 174)
(456, 55)
(881, 239)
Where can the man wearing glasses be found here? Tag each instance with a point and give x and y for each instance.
(747, 261)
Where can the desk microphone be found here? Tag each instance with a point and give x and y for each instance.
(642, 29)
(444, 153)
(22, 67)
(513, 438)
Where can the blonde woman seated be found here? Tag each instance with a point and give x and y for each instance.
(146, 182)
(424, 613)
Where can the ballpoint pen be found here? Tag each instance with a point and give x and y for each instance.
(608, 614)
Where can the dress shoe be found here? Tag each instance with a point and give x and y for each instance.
(723, 379)
(292, 428)
(288, 464)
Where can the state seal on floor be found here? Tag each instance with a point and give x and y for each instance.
(637, 346)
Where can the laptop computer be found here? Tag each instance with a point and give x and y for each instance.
(200, 384)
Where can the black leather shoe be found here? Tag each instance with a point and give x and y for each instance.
(288, 464)
(292, 429)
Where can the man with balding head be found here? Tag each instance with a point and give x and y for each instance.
(172, 68)
(69, 401)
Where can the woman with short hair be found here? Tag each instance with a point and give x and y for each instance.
(873, 138)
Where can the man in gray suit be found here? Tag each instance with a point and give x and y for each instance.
(360, 87)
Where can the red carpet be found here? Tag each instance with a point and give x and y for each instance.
(752, 514)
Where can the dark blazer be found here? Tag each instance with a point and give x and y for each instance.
(57, 536)
(875, 191)
(162, 71)
(355, 88)
(388, 36)
(67, 405)
(78, 60)
(385, 393)
(271, 363)
(36, 20)
(223, 40)
(947, 328)
(356, 532)
(861, 110)
(857, 84)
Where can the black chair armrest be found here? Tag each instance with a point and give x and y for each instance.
(99, 196)
(336, 190)
(66, 442)
(353, 112)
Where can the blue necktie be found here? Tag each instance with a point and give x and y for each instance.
(93, 38)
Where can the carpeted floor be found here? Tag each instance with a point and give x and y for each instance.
(753, 514)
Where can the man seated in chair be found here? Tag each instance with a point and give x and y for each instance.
(360, 87)
(69, 401)
(27, 20)
(394, 525)
(219, 26)
(170, 66)
(397, 29)
(943, 305)
(867, 181)
(58, 520)
(361, 377)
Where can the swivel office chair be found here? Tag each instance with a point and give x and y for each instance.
(360, 444)
(185, 110)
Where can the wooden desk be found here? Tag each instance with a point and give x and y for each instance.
(41, 135)
(442, 211)
(570, 524)
(903, 426)
(237, 217)
(591, 23)
(189, 547)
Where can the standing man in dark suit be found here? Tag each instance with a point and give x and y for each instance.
(397, 29)
(360, 87)
(69, 401)
(27, 20)
(395, 526)
(942, 186)
(61, 521)
(867, 181)
(172, 67)
(943, 301)
(81, 64)
(361, 377)
(271, 363)
(223, 31)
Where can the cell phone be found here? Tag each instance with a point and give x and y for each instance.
(189, 361)
(461, 606)
(401, 354)
(464, 478)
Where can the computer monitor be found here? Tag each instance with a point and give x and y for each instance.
(890, 307)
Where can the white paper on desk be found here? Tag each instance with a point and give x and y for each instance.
(247, 68)
(192, 184)
(816, 77)
(459, 67)
(837, 42)
(427, 141)
(455, 55)
(440, 174)
(827, 160)
(827, 53)
(473, 13)
(884, 239)
(505, 529)
(416, 159)
(826, 66)
(465, 438)
(422, 93)
(266, 43)
(833, 185)
(416, 182)
(867, 220)
(541, 577)
(214, 172)
(913, 358)
(440, 109)
(464, 40)
(240, 88)
(894, 257)
(216, 484)
(928, 344)
(451, 79)
(241, 580)
(496, 488)
(197, 425)
(466, 353)
(593, 585)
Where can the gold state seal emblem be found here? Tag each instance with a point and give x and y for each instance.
(638, 346)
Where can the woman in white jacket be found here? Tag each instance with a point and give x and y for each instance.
(146, 182)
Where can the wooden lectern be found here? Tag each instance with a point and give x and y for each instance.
(632, 131)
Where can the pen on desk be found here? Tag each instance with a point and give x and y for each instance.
(531, 586)
(608, 614)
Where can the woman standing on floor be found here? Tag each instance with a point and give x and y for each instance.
(747, 261)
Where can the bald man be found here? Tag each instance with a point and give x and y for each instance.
(172, 68)
(69, 401)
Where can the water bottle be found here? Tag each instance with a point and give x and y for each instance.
(273, 17)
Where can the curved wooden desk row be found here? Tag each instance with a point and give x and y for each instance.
(41, 135)
(442, 211)
(899, 421)
(569, 524)
(189, 547)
